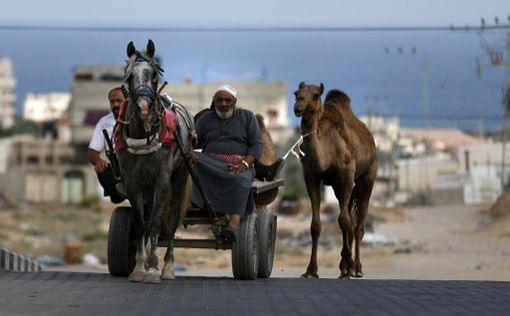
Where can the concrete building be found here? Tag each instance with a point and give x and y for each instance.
(45, 107)
(487, 170)
(92, 83)
(89, 103)
(7, 96)
(39, 171)
(426, 178)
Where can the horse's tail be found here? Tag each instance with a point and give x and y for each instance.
(185, 200)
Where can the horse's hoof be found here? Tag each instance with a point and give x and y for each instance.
(309, 275)
(358, 274)
(345, 275)
(136, 276)
(168, 274)
(152, 276)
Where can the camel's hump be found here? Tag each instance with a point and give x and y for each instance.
(337, 96)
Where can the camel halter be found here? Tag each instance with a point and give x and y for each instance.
(298, 143)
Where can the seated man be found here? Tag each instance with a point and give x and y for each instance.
(231, 142)
(98, 144)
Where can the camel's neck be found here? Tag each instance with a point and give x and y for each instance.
(310, 121)
(312, 145)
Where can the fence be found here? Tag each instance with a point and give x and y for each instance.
(10, 261)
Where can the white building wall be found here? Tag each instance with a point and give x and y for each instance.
(45, 107)
(483, 186)
(429, 172)
(7, 96)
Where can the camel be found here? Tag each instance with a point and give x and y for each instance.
(339, 151)
(268, 165)
(268, 155)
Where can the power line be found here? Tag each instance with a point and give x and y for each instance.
(439, 117)
(290, 29)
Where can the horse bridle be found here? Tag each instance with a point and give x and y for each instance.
(142, 90)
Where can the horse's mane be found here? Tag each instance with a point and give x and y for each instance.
(153, 61)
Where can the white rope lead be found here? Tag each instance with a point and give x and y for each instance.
(297, 143)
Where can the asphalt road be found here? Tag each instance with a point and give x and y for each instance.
(81, 293)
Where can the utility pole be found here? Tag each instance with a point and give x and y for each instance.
(414, 53)
(498, 57)
(424, 187)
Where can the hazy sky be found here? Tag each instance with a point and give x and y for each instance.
(219, 13)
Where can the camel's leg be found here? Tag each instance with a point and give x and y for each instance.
(343, 190)
(313, 188)
(363, 190)
(181, 191)
(139, 270)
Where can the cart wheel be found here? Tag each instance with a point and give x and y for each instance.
(267, 240)
(245, 250)
(121, 246)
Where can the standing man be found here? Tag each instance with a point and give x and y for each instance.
(230, 140)
(98, 144)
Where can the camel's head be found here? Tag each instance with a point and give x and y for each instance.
(308, 99)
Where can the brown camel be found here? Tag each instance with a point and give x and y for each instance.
(268, 154)
(339, 151)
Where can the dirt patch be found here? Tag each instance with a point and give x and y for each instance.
(454, 242)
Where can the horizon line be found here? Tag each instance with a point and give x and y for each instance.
(12, 27)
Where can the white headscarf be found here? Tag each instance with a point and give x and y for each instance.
(228, 89)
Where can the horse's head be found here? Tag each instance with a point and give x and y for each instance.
(308, 99)
(141, 78)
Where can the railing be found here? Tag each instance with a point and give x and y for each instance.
(10, 261)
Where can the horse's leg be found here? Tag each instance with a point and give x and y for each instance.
(313, 188)
(181, 191)
(343, 190)
(139, 270)
(154, 227)
(364, 187)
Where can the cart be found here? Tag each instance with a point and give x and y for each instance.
(252, 252)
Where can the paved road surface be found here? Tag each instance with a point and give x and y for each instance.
(82, 293)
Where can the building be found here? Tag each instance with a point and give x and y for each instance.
(39, 171)
(89, 103)
(92, 83)
(45, 107)
(7, 96)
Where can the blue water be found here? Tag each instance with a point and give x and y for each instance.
(439, 80)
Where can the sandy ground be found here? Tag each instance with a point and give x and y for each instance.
(451, 242)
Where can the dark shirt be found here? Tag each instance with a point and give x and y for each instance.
(238, 135)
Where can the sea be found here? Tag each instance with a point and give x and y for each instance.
(426, 78)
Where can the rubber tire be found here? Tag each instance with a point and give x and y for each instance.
(267, 241)
(245, 249)
(121, 246)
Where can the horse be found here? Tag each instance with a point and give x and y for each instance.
(154, 171)
(339, 151)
